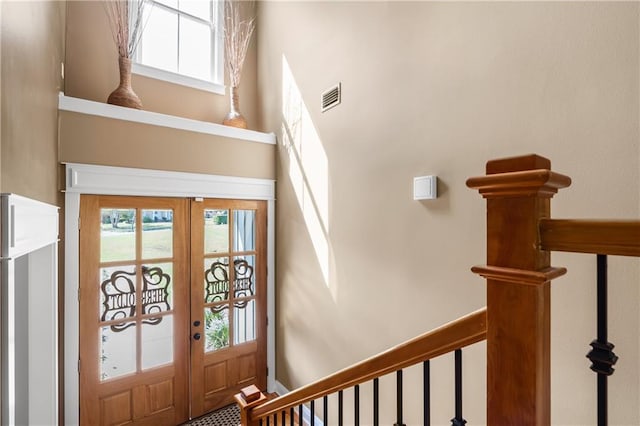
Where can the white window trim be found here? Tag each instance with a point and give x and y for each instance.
(179, 79)
(108, 180)
(216, 85)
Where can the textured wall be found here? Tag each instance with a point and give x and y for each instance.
(440, 88)
(32, 51)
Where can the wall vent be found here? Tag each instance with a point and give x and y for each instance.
(331, 97)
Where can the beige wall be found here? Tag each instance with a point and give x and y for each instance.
(440, 88)
(92, 73)
(32, 51)
(98, 140)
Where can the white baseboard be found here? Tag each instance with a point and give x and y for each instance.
(280, 389)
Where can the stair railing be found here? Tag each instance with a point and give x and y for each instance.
(602, 238)
(520, 238)
(451, 337)
(516, 323)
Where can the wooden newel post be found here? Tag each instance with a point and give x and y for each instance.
(518, 192)
(247, 399)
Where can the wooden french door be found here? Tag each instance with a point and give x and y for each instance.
(134, 292)
(172, 307)
(228, 300)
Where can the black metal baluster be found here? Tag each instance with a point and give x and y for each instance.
(325, 410)
(376, 408)
(426, 383)
(291, 416)
(356, 405)
(312, 416)
(399, 398)
(300, 417)
(458, 420)
(340, 410)
(601, 355)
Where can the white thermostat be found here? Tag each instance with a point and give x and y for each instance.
(425, 188)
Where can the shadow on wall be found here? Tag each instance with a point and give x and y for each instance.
(308, 168)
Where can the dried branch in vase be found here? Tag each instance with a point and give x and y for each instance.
(126, 32)
(126, 23)
(238, 28)
(239, 23)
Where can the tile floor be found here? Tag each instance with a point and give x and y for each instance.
(226, 416)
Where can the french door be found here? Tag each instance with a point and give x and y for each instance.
(172, 307)
(228, 301)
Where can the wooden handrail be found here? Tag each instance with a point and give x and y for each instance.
(591, 236)
(518, 272)
(457, 334)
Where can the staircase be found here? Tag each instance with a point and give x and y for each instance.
(515, 323)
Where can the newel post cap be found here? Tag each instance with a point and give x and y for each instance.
(247, 399)
(527, 175)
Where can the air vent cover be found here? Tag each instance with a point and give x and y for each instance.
(331, 97)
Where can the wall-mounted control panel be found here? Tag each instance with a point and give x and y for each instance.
(425, 187)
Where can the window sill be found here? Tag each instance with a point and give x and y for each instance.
(83, 106)
(178, 79)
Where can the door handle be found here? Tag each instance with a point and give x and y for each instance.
(196, 323)
(196, 336)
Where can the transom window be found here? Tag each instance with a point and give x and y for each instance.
(182, 43)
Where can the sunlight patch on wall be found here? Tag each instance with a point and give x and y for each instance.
(308, 167)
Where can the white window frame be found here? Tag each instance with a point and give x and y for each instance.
(216, 85)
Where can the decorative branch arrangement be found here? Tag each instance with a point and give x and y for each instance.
(238, 28)
(126, 33)
(237, 36)
(126, 23)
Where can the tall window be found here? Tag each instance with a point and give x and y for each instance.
(182, 43)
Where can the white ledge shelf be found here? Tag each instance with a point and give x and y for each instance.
(83, 106)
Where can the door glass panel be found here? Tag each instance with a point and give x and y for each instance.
(244, 280)
(244, 230)
(216, 327)
(117, 235)
(216, 231)
(216, 280)
(244, 321)
(117, 293)
(157, 234)
(117, 350)
(157, 290)
(157, 342)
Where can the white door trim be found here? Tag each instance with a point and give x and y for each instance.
(107, 180)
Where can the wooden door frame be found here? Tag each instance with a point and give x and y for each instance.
(107, 180)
